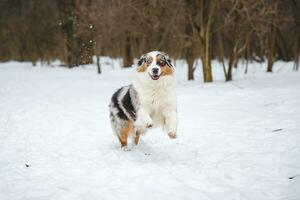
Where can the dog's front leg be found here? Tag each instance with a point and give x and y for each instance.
(143, 118)
(170, 126)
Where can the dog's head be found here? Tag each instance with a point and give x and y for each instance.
(156, 64)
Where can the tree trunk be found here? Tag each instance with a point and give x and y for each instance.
(190, 60)
(190, 53)
(67, 13)
(98, 65)
(297, 61)
(247, 54)
(246, 68)
(128, 59)
(296, 15)
(203, 14)
(205, 58)
(271, 49)
(207, 72)
(297, 64)
(221, 51)
(230, 65)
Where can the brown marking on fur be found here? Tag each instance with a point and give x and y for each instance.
(125, 133)
(145, 65)
(119, 139)
(142, 68)
(137, 138)
(165, 69)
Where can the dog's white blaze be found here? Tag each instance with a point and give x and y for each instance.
(153, 65)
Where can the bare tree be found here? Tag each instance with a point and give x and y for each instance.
(296, 16)
(202, 16)
(68, 24)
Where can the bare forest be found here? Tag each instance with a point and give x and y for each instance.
(76, 31)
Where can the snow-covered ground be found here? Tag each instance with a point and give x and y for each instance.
(237, 140)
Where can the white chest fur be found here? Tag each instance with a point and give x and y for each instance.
(156, 98)
(156, 95)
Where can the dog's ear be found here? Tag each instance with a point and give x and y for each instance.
(142, 60)
(168, 60)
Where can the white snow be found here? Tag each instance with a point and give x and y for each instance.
(237, 140)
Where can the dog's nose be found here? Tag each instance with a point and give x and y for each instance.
(155, 70)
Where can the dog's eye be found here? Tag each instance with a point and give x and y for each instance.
(161, 63)
(149, 61)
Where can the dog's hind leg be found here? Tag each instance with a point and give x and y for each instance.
(125, 132)
(137, 137)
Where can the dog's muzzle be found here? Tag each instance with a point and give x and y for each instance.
(155, 74)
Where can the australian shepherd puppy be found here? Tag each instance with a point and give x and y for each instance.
(150, 101)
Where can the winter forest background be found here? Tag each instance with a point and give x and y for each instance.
(238, 136)
(74, 31)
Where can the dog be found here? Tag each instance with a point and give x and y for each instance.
(150, 101)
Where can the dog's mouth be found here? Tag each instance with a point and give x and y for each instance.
(154, 76)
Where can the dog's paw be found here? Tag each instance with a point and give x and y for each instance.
(149, 125)
(125, 148)
(172, 135)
